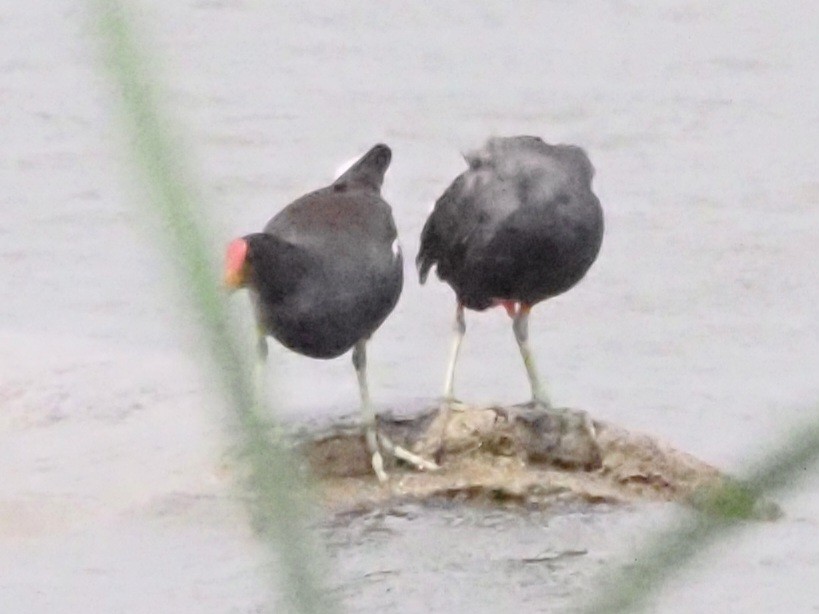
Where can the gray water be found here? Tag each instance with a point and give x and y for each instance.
(698, 323)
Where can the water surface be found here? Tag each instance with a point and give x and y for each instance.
(697, 324)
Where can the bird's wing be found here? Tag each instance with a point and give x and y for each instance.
(463, 217)
(437, 233)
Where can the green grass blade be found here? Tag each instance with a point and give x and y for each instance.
(277, 493)
(725, 509)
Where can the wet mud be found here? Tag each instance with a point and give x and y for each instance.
(509, 455)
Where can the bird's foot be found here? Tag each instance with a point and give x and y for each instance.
(378, 467)
(419, 462)
(541, 399)
(451, 403)
(570, 420)
(373, 441)
(377, 461)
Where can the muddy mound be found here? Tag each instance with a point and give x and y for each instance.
(508, 455)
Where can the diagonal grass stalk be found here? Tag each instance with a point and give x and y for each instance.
(274, 481)
(278, 501)
(726, 509)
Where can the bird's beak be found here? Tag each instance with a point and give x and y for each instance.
(234, 279)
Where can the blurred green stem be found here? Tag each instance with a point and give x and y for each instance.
(725, 508)
(278, 505)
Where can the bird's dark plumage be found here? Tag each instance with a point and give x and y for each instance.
(326, 271)
(520, 224)
(324, 274)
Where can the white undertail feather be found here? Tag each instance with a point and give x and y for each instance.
(344, 167)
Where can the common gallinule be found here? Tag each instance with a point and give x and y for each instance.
(323, 275)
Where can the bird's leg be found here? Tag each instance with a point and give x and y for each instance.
(373, 437)
(260, 384)
(520, 324)
(459, 328)
(360, 364)
(259, 365)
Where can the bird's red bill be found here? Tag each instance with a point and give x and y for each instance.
(235, 263)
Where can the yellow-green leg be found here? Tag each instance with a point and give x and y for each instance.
(277, 433)
(520, 324)
(259, 376)
(459, 329)
(368, 415)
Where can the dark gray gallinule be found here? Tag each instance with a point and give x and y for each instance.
(519, 226)
(324, 274)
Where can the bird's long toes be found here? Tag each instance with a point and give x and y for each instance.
(419, 462)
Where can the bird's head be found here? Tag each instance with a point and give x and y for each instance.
(236, 264)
